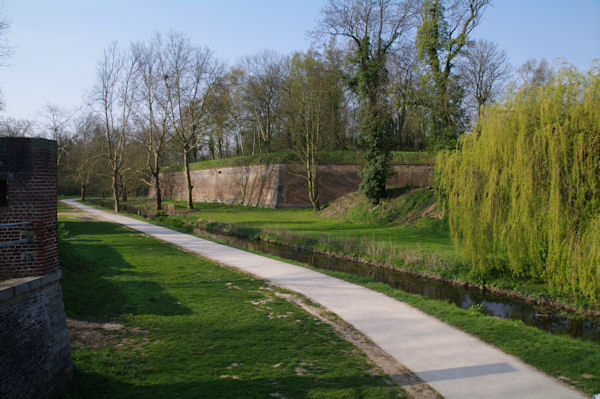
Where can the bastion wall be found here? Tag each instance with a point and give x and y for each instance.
(279, 185)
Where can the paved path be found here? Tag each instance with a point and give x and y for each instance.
(454, 363)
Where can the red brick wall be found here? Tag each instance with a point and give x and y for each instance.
(279, 185)
(29, 167)
(35, 357)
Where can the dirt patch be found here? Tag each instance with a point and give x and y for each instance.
(339, 207)
(398, 373)
(434, 211)
(96, 335)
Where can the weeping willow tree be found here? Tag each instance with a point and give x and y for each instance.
(523, 190)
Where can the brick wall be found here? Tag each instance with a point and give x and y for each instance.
(34, 347)
(28, 168)
(246, 185)
(278, 185)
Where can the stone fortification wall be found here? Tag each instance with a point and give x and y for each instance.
(278, 185)
(35, 357)
(34, 347)
(255, 185)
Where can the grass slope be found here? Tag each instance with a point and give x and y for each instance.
(334, 157)
(194, 329)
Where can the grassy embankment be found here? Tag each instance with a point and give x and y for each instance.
(332, 157)
(572, 360)
(181, 326)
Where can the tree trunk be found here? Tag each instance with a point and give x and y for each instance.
(312, 181)
(83, 188)
(115, 191)
(158, 196)
(190, 203)
(122, 189)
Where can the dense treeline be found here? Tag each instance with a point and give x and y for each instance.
(383, 75)
(523, 191)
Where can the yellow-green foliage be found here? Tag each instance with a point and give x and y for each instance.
(523, 190)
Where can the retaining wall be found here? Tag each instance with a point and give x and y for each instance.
(35, 357)
(278, 185)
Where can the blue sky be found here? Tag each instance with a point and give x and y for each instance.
(57, 43)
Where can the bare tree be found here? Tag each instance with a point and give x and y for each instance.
(235, 78)
(483, 71)
(5, 50)
(535, 73)
(188, 72)
(263, 95)
(219, 106)
(405, 87)
(152, 116)
(113, 96)
(12, 127)
(57, 127)
(86, 152)
(314, 92)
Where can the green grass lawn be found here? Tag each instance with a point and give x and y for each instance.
(192, 329)
(430, 235)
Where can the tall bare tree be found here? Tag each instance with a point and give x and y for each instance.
(483, 71)
(5, 50)
(113, 97)
(188, 72)
(83, 160)
(219, 106)
(57, 127)
(13, 127)
(405, 88)
(152, 106)
(534, 72)
(314, 91)
(264, 92)
(235, 77)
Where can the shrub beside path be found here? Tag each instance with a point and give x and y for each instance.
(454, 363)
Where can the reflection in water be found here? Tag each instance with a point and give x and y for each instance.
(490, 304)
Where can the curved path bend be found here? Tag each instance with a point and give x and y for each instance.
(454, 363)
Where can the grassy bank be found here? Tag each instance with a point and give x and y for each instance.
(153, 321)
(335, 157)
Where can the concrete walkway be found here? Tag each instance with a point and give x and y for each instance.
(454, 363)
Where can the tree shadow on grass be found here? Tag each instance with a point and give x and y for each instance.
(99, 285)
(93, 385)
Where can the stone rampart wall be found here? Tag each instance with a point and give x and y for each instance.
(34, 347)
(278, 185)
